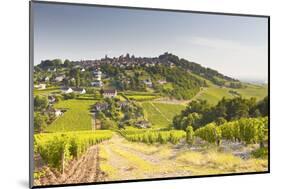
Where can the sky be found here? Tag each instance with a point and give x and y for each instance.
(236, 46)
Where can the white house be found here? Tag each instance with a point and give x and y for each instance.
(66, 90)
(109, 93)
(46, 78)
(58, 113)
(79, 90)
(148, 83)
(162, 82)
(59, 78)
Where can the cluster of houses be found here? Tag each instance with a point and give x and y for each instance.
(126, 61)
(149, 83)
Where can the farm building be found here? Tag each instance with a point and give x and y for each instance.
(109, 93)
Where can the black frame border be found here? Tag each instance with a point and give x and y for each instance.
(31, 66)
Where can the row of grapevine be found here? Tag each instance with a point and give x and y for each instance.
(247, 130)
(56, 149)
(153, 136)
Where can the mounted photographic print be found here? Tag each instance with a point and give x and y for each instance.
(122, 94)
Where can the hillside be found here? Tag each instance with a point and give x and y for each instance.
(167, 74)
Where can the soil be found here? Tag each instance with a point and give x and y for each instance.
(85, 169)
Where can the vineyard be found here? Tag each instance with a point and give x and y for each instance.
(57, 149)
(153, 136)
(247, 130)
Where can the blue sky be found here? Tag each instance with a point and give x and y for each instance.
(233, 45)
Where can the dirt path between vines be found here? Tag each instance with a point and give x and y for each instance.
(85, 169)
(119, 159)
(128, 162)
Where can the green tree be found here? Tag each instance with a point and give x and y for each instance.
(66, 63)
(220, 121)
(40, 103)
(39, 122)
(189, 135)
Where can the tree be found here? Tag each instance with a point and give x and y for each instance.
(66, 63)
(40, 103)
(263, 106)
(189, 135)
(77, 79)
(39, 122)
(220, 121)
(57, 63)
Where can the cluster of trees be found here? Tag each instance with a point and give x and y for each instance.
(196, 68)
(40, 117)
(50, 64)
(184, 85)
(199, 113)
(247, 130)
(54, 64)
(125, 115)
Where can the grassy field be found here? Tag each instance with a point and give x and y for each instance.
(214, 93)
(77, 117)
(257, 91)
(46, 91)
(146, 160)
(160, 114)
